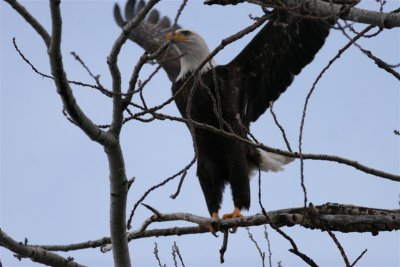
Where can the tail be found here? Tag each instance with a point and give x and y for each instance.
(272, 162)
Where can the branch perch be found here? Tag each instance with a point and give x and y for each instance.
(327, 8)
(333, 217)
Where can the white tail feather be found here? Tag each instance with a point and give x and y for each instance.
(272, 162)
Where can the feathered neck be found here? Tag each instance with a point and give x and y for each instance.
(190, 63)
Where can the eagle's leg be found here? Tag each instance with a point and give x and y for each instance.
(212, 185)
(240, 183)
(235, 214)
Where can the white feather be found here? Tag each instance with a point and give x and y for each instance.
(272, 162)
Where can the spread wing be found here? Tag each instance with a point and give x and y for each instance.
(150, 35)
(268, 64)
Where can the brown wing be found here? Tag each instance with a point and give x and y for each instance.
(268, 64)
(150, 34)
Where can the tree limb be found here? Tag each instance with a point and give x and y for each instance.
(118, 198)
(332, 217)
(61, 82)
(31, 20)
(118, 106)
(36, 254)
(325, 9)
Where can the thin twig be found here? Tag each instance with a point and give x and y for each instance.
(294, 248)
(303, 117)
(379, 62)
(279, 126)
(186, 168)
(95, 77)
(173, 252)
(262, 254)
(269, 245)
(224, 246)
(259, 195)
(178, 14)
(178, 190)
(101, 89)
(339, 246)
(178, 252)
(359, 257)
(155, 252)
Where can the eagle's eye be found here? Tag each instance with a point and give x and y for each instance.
(186, 33)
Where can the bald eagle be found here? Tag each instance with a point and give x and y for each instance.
(230, 96)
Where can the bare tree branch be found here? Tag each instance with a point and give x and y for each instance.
(178, 190)
(97, 87)
(62, 85)
(118, 196)
(308, 97)
(181, 172)
(333, 217)
(323, 157)
(112, 59)
(322, 8)
(53, 45)
(31, 20)
(379, 62)
(295, 250)
(96, 78)
(36, 254)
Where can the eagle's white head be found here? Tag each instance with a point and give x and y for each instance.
(192, 49)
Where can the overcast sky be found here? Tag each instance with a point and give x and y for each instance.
(54, 179)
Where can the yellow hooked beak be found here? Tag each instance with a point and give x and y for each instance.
(176, 37)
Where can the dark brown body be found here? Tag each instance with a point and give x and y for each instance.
(221, 160)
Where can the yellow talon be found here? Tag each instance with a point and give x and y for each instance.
(235, 214)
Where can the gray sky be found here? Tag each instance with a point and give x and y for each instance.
(54, 180)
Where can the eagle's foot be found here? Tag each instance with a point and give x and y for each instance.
(214, 225)
(235, 214)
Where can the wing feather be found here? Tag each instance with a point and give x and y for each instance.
(268, 64)
(150, 34)
(153, 17)
(164, 23)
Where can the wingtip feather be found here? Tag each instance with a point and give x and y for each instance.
(130, 11)
(117, 16)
